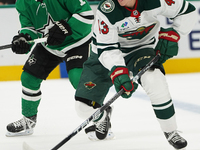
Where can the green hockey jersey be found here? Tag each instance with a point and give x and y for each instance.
(37, 18)
(119, 31)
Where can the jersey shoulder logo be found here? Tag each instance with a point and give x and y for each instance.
(107, 6)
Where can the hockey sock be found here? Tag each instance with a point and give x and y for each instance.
(74, 76)
(165, 114)
(165, 110)
(31, 94)
(155, 85)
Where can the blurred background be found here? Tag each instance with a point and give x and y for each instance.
(187, 61)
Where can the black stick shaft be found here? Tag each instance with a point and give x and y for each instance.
(5, 46)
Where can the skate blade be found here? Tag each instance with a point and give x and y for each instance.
(26, 146)
(181, 149)
(22, 133)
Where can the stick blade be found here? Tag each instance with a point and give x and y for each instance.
(26, 146)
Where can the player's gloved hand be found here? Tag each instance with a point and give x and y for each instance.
(20, 44)
(120, 78)
(167, 44)
(58, 33)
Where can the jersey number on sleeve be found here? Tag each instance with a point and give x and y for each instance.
(103, 27)
(169, 2)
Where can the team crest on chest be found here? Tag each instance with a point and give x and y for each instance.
(138, 33)
(107, 6)
(45, 29)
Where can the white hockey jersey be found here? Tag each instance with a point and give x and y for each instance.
(119, 31)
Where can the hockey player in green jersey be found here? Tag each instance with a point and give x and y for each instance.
(67, 24)
(124, 41)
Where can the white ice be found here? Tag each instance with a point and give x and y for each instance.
(133, 121)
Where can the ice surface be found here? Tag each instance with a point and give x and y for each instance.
(133, 120)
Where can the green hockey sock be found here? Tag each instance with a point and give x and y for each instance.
(31, 94)
(74, 76)
(165, 110)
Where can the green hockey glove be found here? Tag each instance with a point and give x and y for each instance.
(167, 44)
(20, 44)
(120, 78)
(58, 33)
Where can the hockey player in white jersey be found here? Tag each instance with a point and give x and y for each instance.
(124, 41)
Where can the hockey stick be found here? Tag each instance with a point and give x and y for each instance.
(101, 109)
(30, 42)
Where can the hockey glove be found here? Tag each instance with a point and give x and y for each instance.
(120, 78)
(58, 33)
(167, 44)
(20, 44)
